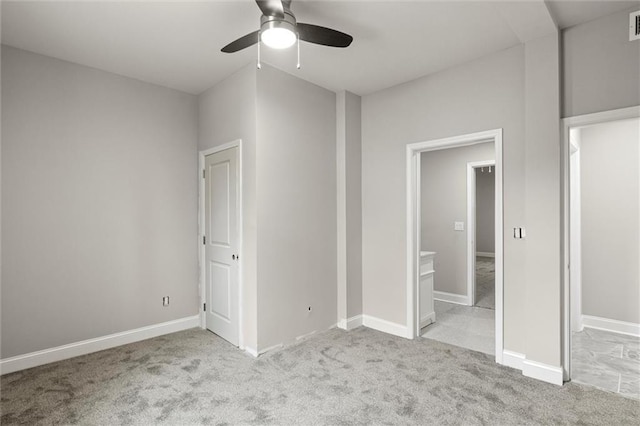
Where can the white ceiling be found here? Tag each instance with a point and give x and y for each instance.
(177, 44)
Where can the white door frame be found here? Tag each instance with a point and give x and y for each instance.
(471, 226)
(413, 151)
(567, 124)
(201, 232)
(575, 234)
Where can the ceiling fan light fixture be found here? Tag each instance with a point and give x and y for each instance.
(280, 30)
(278, 33)
(278, 37)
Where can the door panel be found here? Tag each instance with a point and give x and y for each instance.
(220, 290)
(221, 249)
(219, 204)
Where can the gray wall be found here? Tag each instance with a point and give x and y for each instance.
(600, 66)
(227, 112)
(99, 199)
(354, 203)
(542, 185)
(443, 198)
(288, 130)
(485, 211)
(484, 94)
(296, 199)
(610, 184)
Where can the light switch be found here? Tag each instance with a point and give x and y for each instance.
(458, 226)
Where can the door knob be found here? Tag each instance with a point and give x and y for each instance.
(233, 257)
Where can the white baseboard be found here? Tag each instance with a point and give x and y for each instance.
(546, 373)
(59, 353)
(485, 254)
(513, 359)
(251, 351)
(306, 336)
(427, 319)
(350, 323)
(385, 326)
(535, 370)
(443, 296)
(611, 325)
(270, 348)
(256, 353)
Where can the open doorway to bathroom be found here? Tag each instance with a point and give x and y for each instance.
(457, 232)
(602, 321)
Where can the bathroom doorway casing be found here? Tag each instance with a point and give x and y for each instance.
(413, 231)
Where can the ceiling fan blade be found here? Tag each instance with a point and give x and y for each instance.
(322, 35)
(271, 8)
(242, 42)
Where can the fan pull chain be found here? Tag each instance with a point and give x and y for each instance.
(298, 40)
(259, 43)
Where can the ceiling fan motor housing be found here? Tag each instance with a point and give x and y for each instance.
(289, 22)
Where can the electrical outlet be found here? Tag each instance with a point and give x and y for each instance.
(165, 301)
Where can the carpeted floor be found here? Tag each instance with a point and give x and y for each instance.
(485, 282)
(334, 378)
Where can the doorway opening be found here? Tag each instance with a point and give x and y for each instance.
(441, 239)
(481, 262)
(602, 250)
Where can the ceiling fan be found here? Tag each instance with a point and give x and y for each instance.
(279, 29)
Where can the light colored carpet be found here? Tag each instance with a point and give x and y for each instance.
(334, 378)
(485, 282)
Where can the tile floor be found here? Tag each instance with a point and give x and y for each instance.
(485, 282)
(471, 327)
(609, 361)
(465, 326)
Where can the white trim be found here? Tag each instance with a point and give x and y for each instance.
(307, 335)
(59, 353)
(341, 204)
(201, 228)
(471, 226)
(413, 224)
(427, 319)
(413, 245)
(485, 254)
(567, 124)
(611, 325)
(386, 326)
(270, 348)
(443, 296)
(513, 359)
(575, 232)
(546, 373)
(251, 351)
(499, 263)
(351, 323)
(256, 353)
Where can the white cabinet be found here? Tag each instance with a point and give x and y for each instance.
(425, 288)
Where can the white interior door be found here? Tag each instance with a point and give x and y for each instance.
(221, 244)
